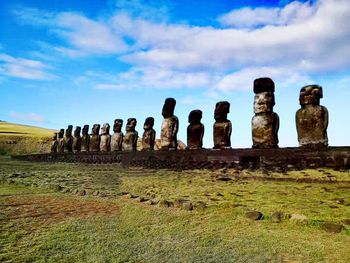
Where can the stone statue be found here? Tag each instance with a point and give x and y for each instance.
(312, 119)
(54, 143)
(265, 123)
(77, 139)
(60, 141)
(68, 139)
(117, 137)
(149, 135)
(170, 126)
(105, 139)
(131, 136)
(195, 131)
(85, 139)
(222, 126)
(95, 139)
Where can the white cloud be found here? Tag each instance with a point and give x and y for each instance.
(27, 117)
(294, 12)
(23, 68)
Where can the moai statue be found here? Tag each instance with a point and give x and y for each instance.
(117, 137)
(312, 119)
(222, 126)
(54, 143)
(170, 126)
(68, 139)
(265, 123)
(105, 139)
(85, 139)
(149, 135)
(77, 140)
(131, 136)
(60, 141)
(95, 139)
(195, 131)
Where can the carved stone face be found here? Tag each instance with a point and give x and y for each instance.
(149, 123)
(96, 129)
(168, 107)
(61, 133)
(264, 102)
(310, 95)
(118, 123)
(105, 129)
(85, 130)
(54, 136)
(69, 131)
(131, 124)
(77, 131)
(195, 117)
(222, 108)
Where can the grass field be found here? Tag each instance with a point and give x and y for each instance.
(23, 139)
(86, 213)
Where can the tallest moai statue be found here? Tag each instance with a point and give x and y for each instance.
(312, 119)
(265, 123)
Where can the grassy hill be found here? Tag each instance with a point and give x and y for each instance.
(23, 139)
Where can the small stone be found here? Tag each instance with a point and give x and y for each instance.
(333, 206)
(298, 218)
(95, 193)
(188, 206)
(163, 203)
(340, 201)
(254, 215)
(200, 205)
(179, 202)
(65, 190)
(101, 194)
(75, 191)
(125, 193)
(82, 193)
(346, 222)
(277, 217)
(332, 227)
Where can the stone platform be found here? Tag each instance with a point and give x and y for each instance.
(280, 159)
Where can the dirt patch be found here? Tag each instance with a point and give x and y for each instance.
(34, 212)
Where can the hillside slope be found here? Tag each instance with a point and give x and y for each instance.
(23, 139)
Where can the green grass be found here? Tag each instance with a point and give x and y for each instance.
(23, 139)
(140, 232)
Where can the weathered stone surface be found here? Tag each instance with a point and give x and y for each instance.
(164, 203)
(105, 139)
(299, 219)
(195, 131)
(222, 126)
(200, 205)
(68, 139)
(85, 139)
(254, 215)
(149, 135)
(95, 139)
(332, 227)
(265, 123)
(77, 140)
(312, 118)
(54, 143)
(60, 141)
(117, 137)
(188, 206)
(170, 126)
(277, 217)
(131, 136)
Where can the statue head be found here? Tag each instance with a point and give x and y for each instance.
(54, 136)
(148, 125)
(118, 123)
(131, 124)
(96, 129)
(168, 107)
(77, 131)
(69, 131)
(85, 130)
(195, 117)
(222, 108)
(310, 94)
(264, 99)
(105, 129)
(61, 133)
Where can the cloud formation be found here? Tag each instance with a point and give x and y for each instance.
(27, 117)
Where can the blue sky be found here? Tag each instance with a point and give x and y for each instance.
(85, 62)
